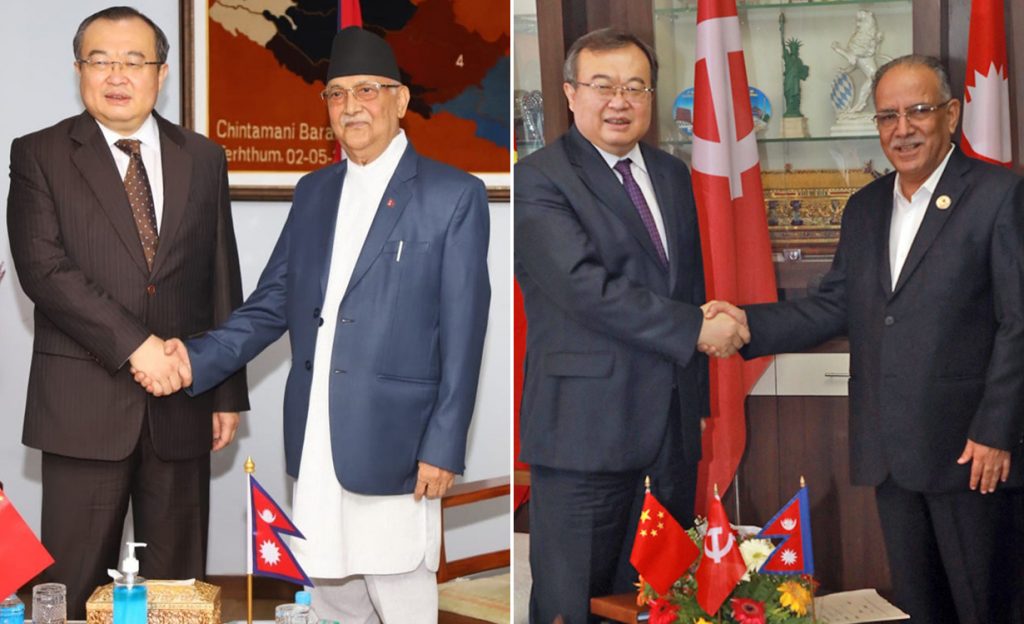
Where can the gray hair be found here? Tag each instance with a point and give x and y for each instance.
(916, 60)
(117, 14)
(607, 39)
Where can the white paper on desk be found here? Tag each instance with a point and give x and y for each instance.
(851, 607)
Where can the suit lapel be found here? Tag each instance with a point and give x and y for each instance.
(326, 222)
(177, 175)
(608, 190)
(951, 185)
(94, 161)
(389, 211)
(663, 191)
(884, 221)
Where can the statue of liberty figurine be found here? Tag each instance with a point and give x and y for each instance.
(794, 71)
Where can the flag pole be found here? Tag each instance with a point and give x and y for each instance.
(250, 467)
(814, 610)
(709, 522)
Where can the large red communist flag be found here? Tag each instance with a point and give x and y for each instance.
(986, 130)
(733, 225)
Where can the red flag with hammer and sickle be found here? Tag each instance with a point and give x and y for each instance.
(722, 566)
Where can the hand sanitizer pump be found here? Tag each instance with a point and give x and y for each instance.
(130, 603)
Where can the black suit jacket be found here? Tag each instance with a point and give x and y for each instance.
(78, 257)
(610, 332)
(939, 358)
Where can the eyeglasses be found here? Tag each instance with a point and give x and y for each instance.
(104, 66)
(886, 120)
(364, 92)
(605, 91)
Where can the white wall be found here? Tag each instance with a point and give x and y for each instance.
(40, 89)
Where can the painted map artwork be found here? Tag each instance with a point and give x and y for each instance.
(268, 60)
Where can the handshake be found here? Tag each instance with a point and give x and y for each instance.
(161, 367)
(724, 331)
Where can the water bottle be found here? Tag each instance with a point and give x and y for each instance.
(303, 597)
(12, 610)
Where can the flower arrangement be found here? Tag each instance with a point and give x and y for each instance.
(757, 599)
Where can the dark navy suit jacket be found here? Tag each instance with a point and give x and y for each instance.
(938, 357)
(611, 332)
(410, 330)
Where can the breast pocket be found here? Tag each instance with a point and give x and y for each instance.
(412, 351)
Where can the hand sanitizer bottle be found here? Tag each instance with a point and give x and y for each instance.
(130, 605)
(12, 610)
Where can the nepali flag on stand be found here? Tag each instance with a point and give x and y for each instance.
(794, 555)
(268, 554)
(986, 128)
(733, 224)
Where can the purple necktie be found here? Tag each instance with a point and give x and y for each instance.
(637, 197)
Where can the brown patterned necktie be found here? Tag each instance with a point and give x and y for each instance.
(140, 196)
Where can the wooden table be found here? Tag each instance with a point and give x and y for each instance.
(617, 608)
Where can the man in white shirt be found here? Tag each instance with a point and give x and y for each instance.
(928, 283)
(120, 229)
(380, 279)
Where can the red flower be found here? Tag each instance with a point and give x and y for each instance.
(746, 611)
(663, 612)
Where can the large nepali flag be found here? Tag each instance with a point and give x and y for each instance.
(986, 130)
(733, 224)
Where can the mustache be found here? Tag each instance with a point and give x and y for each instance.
(906, 142)
(347, 119)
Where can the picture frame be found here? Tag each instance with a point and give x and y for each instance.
(275, 129)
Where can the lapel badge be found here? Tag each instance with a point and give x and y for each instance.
(943, 202)
(391, 202)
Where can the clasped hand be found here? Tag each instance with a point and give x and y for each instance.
(724, 331)
(161, 367)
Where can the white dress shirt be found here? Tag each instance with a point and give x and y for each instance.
(149, 135)
(348, 533)
(643, 180)
(907, 215)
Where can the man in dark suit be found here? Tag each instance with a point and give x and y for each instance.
(928, 283)
(380, 279)
(118, 242)
(607, 253)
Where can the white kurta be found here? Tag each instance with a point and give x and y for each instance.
(348, 533)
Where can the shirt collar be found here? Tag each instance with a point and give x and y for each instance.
(148, 133)
(388, 160)
(634, 155)
(932, 181)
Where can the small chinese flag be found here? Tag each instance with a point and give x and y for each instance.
(662, 550)
(794, 555)
(269, 555)
(21, 554)
(722, 566)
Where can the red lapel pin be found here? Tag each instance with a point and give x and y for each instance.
(390, 203)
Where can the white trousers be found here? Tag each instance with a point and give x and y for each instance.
(408, 598)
